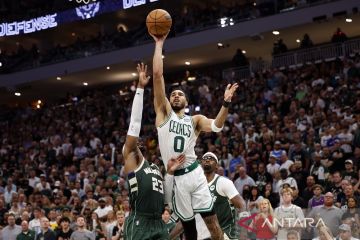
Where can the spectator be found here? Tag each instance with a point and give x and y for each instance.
(349, 173)
(306, 42)
(298, 200)
(345, 232)
(46, 232)
(103, 210)
(330, 214)
(272, 166)
(82, 232)
(35, 223)
(96, 227)
(26, 233)
(287, 210)
(262, 177)
(243, 180)
(286, 179)
(339, 36)
(260, 226)
(118, 230)
(318, 198)
(11, 230)
(240, 59)
(317, 170)
(237, 161)
(285, 162)
(307, 192)
(65, 231)
(279, 47)
(348, 193)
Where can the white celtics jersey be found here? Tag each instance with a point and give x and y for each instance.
(177, 136)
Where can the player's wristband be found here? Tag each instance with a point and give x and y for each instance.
(226, 104)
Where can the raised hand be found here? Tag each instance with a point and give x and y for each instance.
(229, 91)
(175, 163)
(159, 38)
(143, 78)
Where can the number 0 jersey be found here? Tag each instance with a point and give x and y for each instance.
(146, 189)
(177, 136)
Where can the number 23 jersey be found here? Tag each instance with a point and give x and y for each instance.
(177, 136)
(146, 190)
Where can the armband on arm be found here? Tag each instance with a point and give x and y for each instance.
(214, 128)
(136, 113)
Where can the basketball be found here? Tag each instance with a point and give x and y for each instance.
(158, 22)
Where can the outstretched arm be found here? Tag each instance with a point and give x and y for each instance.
(215, 125)
(132, 154)
(161, 103)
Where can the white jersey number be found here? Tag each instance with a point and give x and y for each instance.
(157, 185)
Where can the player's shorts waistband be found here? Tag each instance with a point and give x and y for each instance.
(147, 215)
(186, 170)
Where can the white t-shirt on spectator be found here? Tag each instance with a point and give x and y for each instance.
(95, 142)
(35, 225)
(102, 212)
(286, 165)
(41, 187)
(324, 140)
(240, 183)
(8, 196)
(272, 168)
(80, 152)
(291, 181)
(33, 181)
(293, 212)
(348, 137)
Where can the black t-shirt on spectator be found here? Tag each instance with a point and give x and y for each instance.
(334, 189)
(262, 179)
(338, 163)
(299, 201)
(307, 194)
(2, 214)
(115, 231)
(350, 176)
(300, 177)
(65, 236)
(299, 156)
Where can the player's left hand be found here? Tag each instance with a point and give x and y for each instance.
(175, 163)
(229, 92)
(143, 78)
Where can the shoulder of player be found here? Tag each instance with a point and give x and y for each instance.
(224, 180)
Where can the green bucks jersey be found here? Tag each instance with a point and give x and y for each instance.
(223, 208)
(146, 189)
(177, 136)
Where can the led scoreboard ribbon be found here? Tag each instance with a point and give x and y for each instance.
(79, 13)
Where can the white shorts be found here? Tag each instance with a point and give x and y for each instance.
(191, 195)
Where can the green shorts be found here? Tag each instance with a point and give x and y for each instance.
(231, 232)
(145, 228)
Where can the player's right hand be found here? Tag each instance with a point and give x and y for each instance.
(159, 38)
(143, 78)
(175, 163)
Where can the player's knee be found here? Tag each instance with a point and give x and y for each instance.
(190, 229)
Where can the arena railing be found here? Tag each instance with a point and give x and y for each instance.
(326, 52)
(245, 72)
